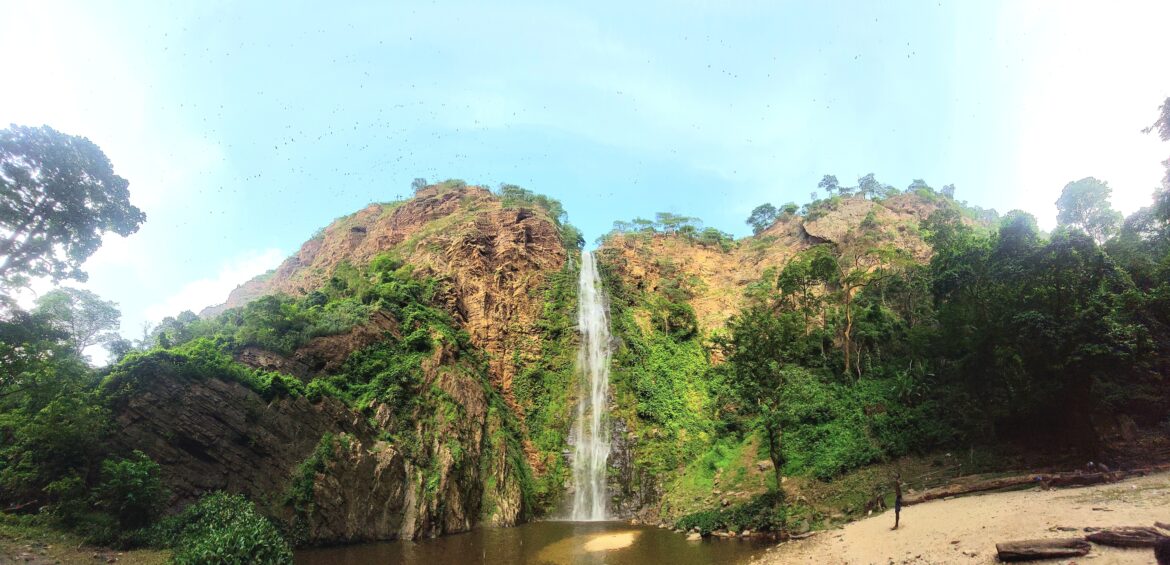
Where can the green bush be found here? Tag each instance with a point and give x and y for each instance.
(201, 358)
(764, 513)
(223, 529)
(825, 430)
(130, 491)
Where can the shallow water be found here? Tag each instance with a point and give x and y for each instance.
(541, 543)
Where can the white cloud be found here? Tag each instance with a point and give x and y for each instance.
(209, 291)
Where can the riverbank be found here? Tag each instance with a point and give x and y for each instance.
(965, 530)
(26, 543)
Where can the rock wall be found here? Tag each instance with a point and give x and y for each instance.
(212, 434)
(717, 280)
(491, 259)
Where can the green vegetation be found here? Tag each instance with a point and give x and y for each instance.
(222, 529)
(764, 513)
(762, 217)
(690, 229)
(661, 394)
(58, 195)
(1084, 204)
(543, 387)
(851, 356)
(1002, 332)
(512, 196)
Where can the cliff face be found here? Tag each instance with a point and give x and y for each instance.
(342, 473)
(653, 367)
(212, 434)
(718, 279)
(492, 260)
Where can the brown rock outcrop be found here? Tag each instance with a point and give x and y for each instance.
(719, 278)
(490, 259)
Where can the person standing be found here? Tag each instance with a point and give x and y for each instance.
(897, 500)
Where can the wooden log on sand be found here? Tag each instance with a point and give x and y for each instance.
(1046, 480)
(1162, 525)
(1073, 480)
(1029, 550)
(1126, 537)
(969, 488)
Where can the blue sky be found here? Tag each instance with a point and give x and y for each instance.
(244, 127)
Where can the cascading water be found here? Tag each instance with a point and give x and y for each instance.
(590, 429)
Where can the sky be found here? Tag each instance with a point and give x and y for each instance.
(243, 127)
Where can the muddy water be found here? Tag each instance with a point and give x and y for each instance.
(541, 543)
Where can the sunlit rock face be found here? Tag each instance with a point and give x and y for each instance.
(490, 262)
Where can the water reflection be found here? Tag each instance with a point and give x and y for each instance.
(541, 543)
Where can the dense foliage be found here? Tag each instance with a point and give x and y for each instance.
(544, 386)
(58, 196)
(848, 355)
(222, 529)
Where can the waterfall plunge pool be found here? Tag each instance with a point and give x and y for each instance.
(544, 543)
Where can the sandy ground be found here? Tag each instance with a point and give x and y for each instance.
(965, 530)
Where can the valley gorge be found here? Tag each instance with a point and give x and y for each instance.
(499, 418)
(462, 360)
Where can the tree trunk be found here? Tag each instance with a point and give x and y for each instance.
(847, 332)
(1029, 550)
(774, 453)
(1126, 537)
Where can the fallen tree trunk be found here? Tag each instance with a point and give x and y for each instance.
(1029, 550)
(1074, 480)
(1045, 480)
(1140, 536)
(968, 488)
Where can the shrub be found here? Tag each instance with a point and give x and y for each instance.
(223, 529)
(763, 513)
(130, 490)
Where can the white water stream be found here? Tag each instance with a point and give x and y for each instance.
(591, 428)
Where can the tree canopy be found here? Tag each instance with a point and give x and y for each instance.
(58, 195)
(762, 217)
(1085, 204)
(81, 314)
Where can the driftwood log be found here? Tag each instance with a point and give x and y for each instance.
(1140, 536)
(1162, 525)
(1045, 480)
(1029, 550)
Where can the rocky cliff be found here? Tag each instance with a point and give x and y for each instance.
(658, 280)
(717, 278)
(450, 456)
(493, 260)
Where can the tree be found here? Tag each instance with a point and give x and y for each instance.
(1085, 204)
(418, 184)
(762, 217)
(1162, 197)
(81, 314)
(58, 195)
(948, 190)
(917, 185)
(829, 184)
(760, 351)
(869, 187)
(672, 223)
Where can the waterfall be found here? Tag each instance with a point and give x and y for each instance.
(591, 429)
